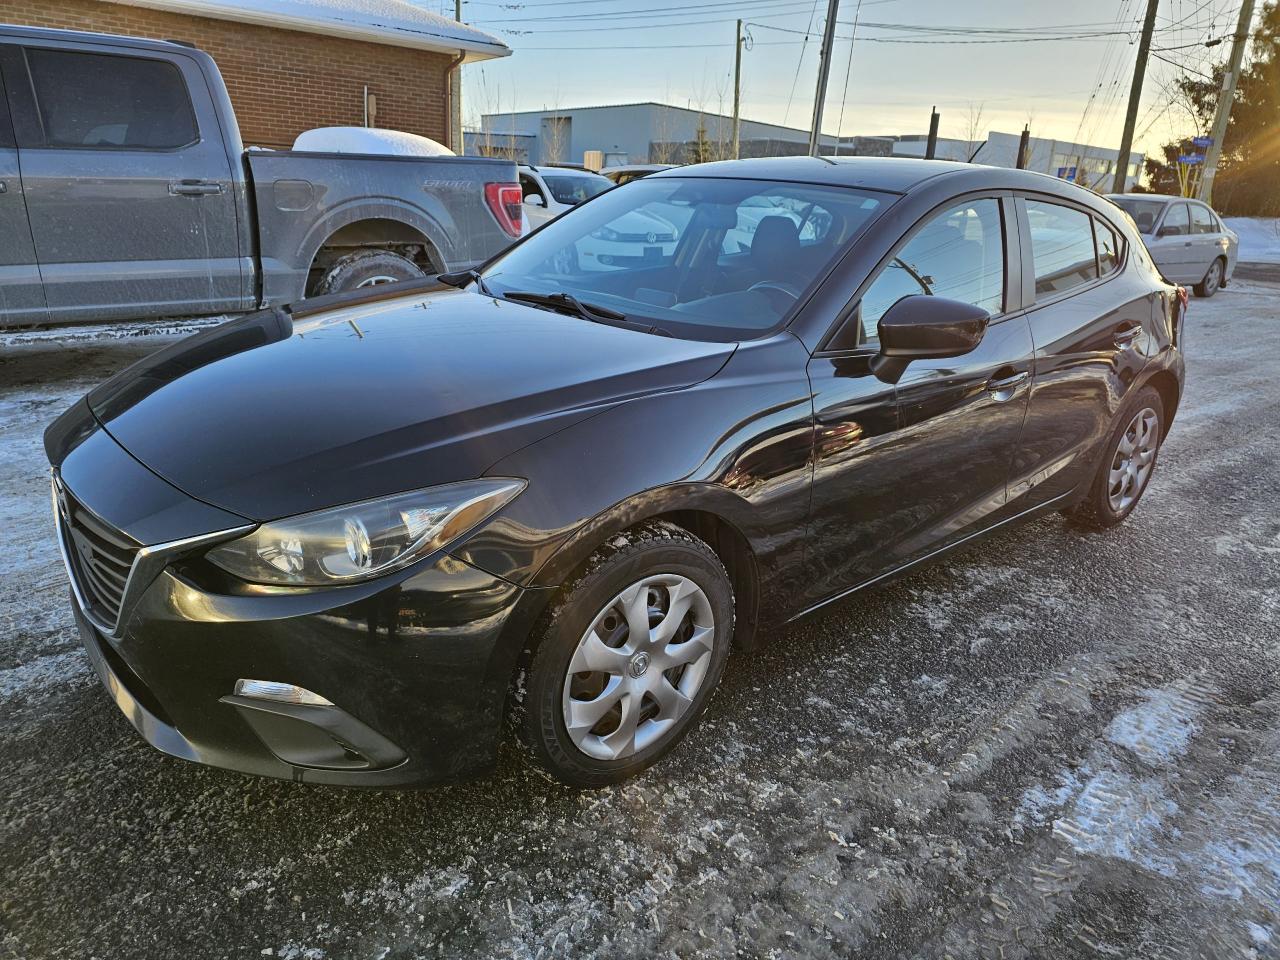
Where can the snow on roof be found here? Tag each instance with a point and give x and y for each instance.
(402, 23)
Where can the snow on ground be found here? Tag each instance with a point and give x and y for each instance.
(1259, 238)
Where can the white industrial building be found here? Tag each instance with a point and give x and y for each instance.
(660, 133)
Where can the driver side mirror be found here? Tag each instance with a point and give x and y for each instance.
(921, 327)
(533, 200)
(1168, 231)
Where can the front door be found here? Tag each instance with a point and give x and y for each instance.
(903, 472)
(21, 297)
(128, 184)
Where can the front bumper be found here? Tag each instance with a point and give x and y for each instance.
(415, 666)
(417, 674)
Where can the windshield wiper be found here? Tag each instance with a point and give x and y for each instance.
(462, 277)
(567, 301)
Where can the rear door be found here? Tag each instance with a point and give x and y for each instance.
(128, 184)
(1090, 317)
(1208, 239)
(21, 296)
(901, 473)
(1172, 246)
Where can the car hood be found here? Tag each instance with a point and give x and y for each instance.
(268, 416)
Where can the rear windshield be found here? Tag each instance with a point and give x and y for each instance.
(575, 189)
(710, 259)
(1145, 213)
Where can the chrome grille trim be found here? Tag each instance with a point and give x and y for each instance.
(130, 579)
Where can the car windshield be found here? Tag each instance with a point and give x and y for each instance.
(702, 258)
(1145, 213)
(574, 188)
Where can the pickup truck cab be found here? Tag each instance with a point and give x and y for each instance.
(125, 191)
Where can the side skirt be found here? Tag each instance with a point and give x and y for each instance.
(1045, 507)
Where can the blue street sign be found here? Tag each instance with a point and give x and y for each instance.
(1202, 141)
(1066, 173)
(1191, 159)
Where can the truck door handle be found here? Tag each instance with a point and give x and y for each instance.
(1126, 336)
(1004, 388)
(193, 188)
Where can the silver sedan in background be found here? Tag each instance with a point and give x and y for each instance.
(1188, 241)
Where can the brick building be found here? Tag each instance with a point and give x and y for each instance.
(293, 65)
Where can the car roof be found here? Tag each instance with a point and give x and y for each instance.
(891, 174)
(49, 33)
(1146, 196)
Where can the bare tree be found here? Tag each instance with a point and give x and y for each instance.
(973, 132)
(662, 149)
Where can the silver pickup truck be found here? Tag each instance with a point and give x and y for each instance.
(125, 191)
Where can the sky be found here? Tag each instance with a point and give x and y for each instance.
(981, 62)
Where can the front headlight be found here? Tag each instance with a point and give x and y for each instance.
(607, 233)
(362, 540)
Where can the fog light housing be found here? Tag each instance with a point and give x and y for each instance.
(279, 692)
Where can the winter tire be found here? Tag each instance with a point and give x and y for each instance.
(1128, 466)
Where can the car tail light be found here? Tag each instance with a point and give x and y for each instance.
(506, 202)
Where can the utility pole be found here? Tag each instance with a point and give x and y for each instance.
(1225, 99)
(931, 145)
(824, 69)
(455, 95)
(737, 87)
(1135, 94)
(1024, 145)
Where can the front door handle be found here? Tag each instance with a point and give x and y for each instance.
(193, 188)
(1126, 336)
(4, 187)
(1003, 388)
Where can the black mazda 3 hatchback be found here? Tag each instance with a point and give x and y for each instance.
(340, 543)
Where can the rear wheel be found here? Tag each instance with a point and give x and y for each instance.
(1126, 470)
(1212, 281)
(366, 268)
(628, 658)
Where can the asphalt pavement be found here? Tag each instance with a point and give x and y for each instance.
(1053, 745)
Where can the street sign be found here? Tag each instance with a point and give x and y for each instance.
(1191, 159)
(1202, 142)
(1066, 173)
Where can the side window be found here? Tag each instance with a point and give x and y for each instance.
(1176, 222)
(1108, 247)
(95, 100)
(958, 254)
(1202, 219)
(529, 187)
(1061, 247)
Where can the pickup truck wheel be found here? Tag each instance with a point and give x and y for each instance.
(366, 268)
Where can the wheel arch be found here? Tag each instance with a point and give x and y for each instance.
(713, 514)
(1166, 384)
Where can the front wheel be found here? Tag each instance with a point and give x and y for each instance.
(628, 659)
(1127, 468)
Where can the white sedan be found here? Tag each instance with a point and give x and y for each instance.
(1188, 241)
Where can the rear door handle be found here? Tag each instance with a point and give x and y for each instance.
(193, 188)
(4, 187)
(1004, 388)
(1126, 336)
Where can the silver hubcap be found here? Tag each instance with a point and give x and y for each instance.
(375, 281)
(1214, 278)
(638, 667)
(1134, 457)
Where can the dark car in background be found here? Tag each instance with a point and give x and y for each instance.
(125, 192)
(564, 495)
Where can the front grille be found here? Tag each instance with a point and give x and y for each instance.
(99, 556)
(645, 237)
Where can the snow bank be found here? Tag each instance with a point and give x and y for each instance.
(1259, 238)
(369, 140)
